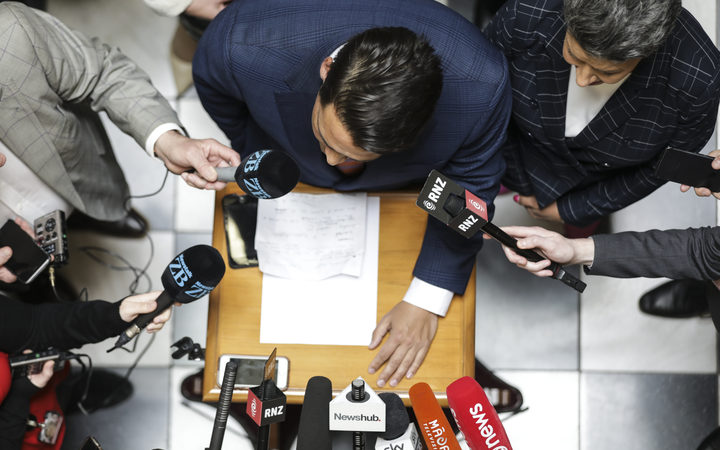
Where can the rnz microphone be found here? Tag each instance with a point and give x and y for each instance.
(190, 275)
(466, 213)
(314, 427)
(263, 174)
(475, 416)
(400, 433)
(434, 426)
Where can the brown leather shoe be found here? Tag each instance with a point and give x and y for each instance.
(191, 387)
(503, 396)
(133, 225)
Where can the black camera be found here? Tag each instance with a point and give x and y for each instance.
(51, 235)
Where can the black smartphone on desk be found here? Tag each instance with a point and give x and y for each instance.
(692, 169)
(28, 259)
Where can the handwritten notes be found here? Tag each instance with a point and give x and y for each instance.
(311, 237)
(339, 310)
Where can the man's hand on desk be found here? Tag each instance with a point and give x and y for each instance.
(412, 330)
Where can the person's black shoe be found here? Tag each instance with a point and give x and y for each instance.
(712, 441)
(133, 225)
(677, 299)
(503, 396)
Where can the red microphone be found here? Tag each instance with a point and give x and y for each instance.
(434, 427)
(475, 416)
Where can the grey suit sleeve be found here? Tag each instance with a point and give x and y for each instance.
(79, 69)
(679, 254)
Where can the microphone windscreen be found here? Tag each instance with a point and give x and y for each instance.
(193, 273)
(434, 427)
(475, 416)
(396, 416)
(314, 427)
(267, 174)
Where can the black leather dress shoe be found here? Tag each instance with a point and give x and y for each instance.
(712, 442)
(677, 299)
(503, 396)
(133, 225)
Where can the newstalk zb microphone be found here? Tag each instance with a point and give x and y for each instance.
(466, 213)
(263, 174)
(434, 427)
(475, 416)
(190, 275)
(314, 427)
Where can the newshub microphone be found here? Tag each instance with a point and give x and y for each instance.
(358, 409)
(434, 427)
(475, 416)
(466, 213)
(400, 433)
(314, 427)
(263, 174)
(190, 275)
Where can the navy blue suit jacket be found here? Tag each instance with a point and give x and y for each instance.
(669, 100)
(257, 69)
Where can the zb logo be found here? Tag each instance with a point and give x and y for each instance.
(179, 270)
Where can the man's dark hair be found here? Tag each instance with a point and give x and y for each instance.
(619, 30)
(384, 84)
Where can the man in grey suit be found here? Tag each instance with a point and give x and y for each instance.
(53, 81)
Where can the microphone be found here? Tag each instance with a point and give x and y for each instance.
(314, 427)
(263, 174)
(358, 409)
(400, 433)
(189, 276)
(475, 416)
(466, 213)
(434, 426)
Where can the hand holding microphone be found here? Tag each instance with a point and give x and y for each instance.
(190, 275)
(263, 174)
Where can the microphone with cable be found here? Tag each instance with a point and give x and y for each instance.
(314, 427)
(400, 433)
(190, 275)
(475, 416)
(434, 426)
(466, 213)
(263, 174)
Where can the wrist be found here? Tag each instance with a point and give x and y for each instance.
(583, 251)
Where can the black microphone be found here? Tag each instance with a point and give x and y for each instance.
(190, 275)
(263, 174)
(400, 433)
(466, 213)
(314, 427)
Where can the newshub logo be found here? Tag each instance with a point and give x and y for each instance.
(358, 417)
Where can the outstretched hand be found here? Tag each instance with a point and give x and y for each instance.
(411, 330)
(550, 212)
(133, 306)
(182, 154)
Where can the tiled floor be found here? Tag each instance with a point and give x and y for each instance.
(594, 371)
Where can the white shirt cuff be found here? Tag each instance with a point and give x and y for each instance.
(428, 297)
(156, 133)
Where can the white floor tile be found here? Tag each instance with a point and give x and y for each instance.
(191, 423)
(194, 208)
(112, 285)
(552, 420)
(196, 121)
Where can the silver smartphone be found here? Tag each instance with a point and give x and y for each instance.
(250, 370)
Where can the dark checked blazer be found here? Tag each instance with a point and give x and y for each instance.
(669, 100)
(256, 71)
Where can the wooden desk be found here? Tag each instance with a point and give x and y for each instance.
(234, 314)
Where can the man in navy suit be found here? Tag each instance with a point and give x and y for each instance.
(353, 91)
(600, 89)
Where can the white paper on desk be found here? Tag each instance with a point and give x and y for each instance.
(311, 237)
(341, 310)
